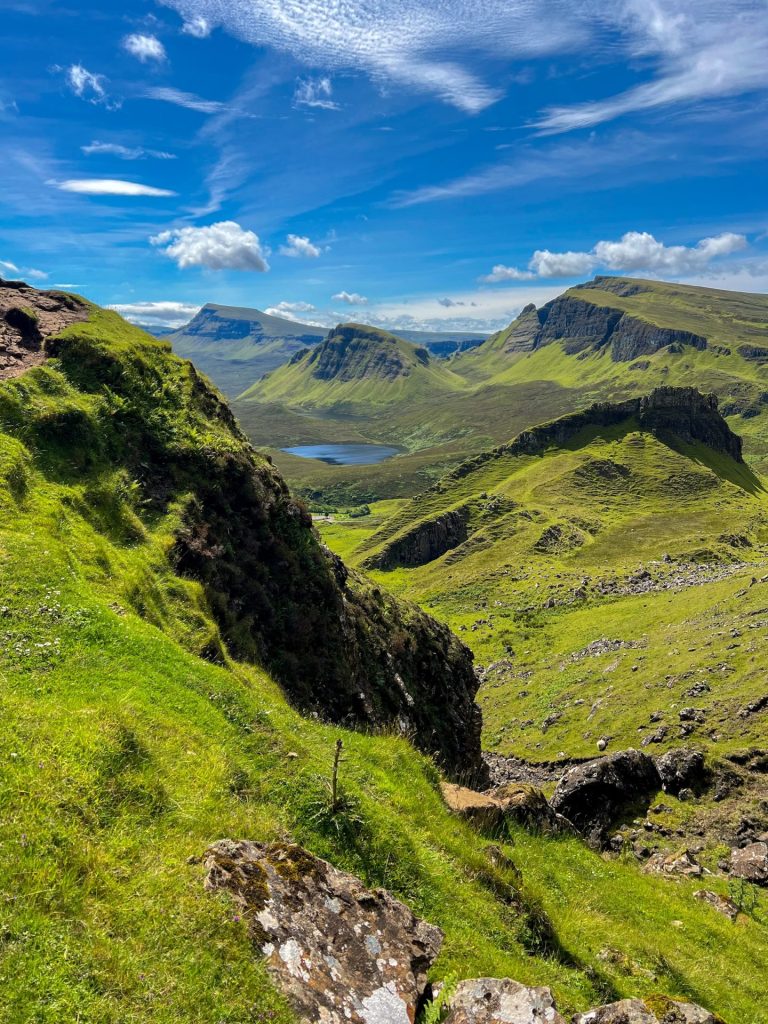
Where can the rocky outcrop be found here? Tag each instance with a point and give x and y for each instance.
(501, 1001)
(356, 352)
(582, 325)
(27, 318)
(718, 902)
(592, 795)
(340, 953)
(682, 769)
(751, 863)
(517, 803)
(651, 1010)
(423, 543)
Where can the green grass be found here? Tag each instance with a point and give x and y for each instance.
(125, 755)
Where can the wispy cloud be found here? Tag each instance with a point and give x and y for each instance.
(108, 187)
(144, 47)
(8, 267)
(124, 152)
(184, 99)
(314, 92)
(198, 26)
(87, 85)
(299, 246)
(635, 250)
(222, 246)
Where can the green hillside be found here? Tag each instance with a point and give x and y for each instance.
(606, 340)
(141, 724)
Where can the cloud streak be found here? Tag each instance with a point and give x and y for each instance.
(124, 152)
(179, 98)
(108, 187)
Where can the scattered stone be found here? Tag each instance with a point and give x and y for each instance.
(651, 1010)
(679, 863)
(754, 707)
(602, 743)
(501, 1001)
(592, 795)
(751, 863)
(482, 809)
(718, 902)
(342, 954)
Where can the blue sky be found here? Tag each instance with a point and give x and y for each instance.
(401, 162)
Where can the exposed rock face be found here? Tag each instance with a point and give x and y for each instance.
(27, 318)
(425, 542)
(683, 412)
(652, 1010)
(592, 795)
(681, 769)
(341, 953)
(751, 863)
(582, 325)
(501, 1001)
(356, 352)
(680, 862)
(718, 902)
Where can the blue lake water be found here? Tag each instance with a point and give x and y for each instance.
(344, 454)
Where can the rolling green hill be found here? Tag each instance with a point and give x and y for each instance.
(162, 596)
(606, 340)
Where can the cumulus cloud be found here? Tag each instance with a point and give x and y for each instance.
(635, 250)
(108, 187)
(197, 26)
(292, 311)
(351, 298)
(144, 47)
(222, 246)
(299, 246)
(184, 99)
(315, 92)
(124, 152)
(157, 314)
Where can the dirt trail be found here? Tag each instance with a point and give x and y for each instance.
(27, 318)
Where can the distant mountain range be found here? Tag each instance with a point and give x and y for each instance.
(235, 345)
(606, 340)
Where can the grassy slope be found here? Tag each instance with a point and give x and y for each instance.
(495, 589)
(500, 394)
(124, 755)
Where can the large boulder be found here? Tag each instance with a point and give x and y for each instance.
(751, 863)
(681, 769)
(651, 1010)
(593, 795)
(501, 1001)
(514, 801)
(342, 954)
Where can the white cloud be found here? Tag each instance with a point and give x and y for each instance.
(351, 298)
(197, 26)
(6, 266)
(108, 187)
(157, 314)
(87, 85)
(690, 49)
(299, 245)
(450, 303)
(314, 92)
(144, 47)
(635, 250)
(222, 246)
(124, 152)
(292, 311)
(184, 99)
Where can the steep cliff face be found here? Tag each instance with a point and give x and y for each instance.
(584, 326)
(425, 542)
(120, 403)
(354, 352)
